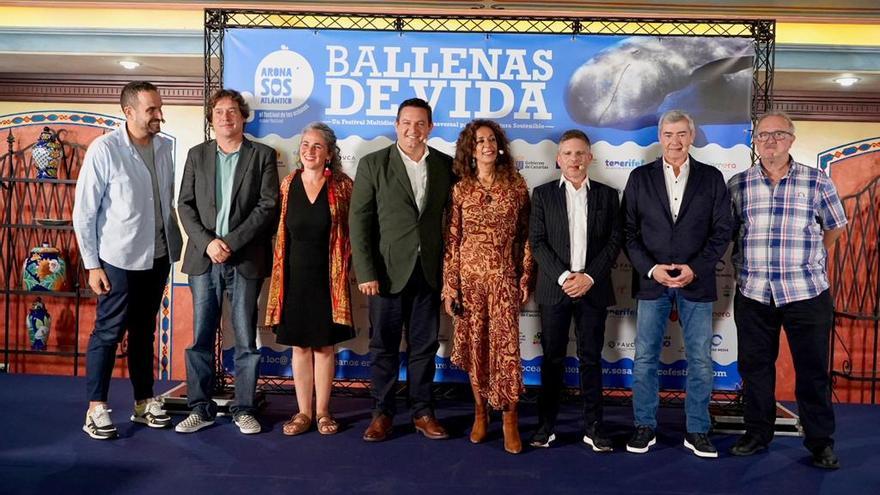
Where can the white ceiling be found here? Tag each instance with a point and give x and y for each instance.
(54, 64)
(784, 80)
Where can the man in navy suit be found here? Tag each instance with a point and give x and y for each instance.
(576, 234)
(677, 226)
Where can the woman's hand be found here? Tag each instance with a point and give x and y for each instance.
(449, 305)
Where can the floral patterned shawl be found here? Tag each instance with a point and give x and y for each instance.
(339, 188)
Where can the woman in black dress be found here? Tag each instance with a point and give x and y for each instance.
(309, 295)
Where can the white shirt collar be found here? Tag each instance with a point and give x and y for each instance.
(563, 181)
(685, 167)
(407, 160)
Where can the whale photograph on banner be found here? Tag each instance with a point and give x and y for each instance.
(535, 86)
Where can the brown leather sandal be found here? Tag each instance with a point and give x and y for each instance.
(327, 425)
(299, 423)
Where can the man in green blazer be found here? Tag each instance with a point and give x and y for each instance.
(396, 227)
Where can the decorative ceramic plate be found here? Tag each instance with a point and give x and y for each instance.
(52, 222)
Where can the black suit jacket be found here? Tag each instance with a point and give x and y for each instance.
(698, 238)
(253, 214)
(551, 246)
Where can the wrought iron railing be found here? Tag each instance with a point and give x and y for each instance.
(855, 282)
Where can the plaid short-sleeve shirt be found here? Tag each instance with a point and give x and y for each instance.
(778, 253)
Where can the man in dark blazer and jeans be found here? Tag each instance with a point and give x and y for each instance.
(396, 228)
(228, 205)
(576, 234)
(678, 225)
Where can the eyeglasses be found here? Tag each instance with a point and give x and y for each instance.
(777, 136)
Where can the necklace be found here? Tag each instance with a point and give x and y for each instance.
(487, 199)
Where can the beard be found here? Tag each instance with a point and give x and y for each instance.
(154, 126)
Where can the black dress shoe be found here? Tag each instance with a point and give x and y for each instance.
(825, 458)
(747, 445)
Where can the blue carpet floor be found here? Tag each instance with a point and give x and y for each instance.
(43, 451)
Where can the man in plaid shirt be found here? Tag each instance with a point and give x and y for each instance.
(786, 217)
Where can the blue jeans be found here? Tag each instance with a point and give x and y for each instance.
(208, 290)
(696, 323)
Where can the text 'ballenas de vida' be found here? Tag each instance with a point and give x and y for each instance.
(504, 81)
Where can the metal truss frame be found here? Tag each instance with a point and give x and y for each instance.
(761, 31)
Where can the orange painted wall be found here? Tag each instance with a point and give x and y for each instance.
(854, 344)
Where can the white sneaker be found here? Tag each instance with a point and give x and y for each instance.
(98, 424)
(192, 424)
(247, 423)
(151, 414)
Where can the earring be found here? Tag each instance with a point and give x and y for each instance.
(473, 162)
(327, 171)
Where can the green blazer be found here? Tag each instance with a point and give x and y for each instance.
(386, 229)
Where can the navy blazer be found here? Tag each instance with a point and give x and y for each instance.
(698, 238)
(551, 241)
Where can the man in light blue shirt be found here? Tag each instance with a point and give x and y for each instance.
(128, 238)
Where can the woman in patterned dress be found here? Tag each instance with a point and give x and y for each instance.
(487, 273)
(309, 295)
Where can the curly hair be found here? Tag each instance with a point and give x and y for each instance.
(243, 108)
(330, 138)
(467, 142)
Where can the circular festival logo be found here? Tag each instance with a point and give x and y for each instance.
(284, 80)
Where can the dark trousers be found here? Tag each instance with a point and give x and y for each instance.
(131, 305)
(416, 307)
(589, 327)
(808, 328)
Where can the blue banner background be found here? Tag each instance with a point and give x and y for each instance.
(612, 87)
(299, 68)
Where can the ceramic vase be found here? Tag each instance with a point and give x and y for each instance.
(44, 269)
(47, 154)
(38, 324)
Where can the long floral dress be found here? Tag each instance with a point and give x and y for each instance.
(487, 264)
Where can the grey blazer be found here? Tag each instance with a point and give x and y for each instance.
(253, 214)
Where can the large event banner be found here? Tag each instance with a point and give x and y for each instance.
(536, 86)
